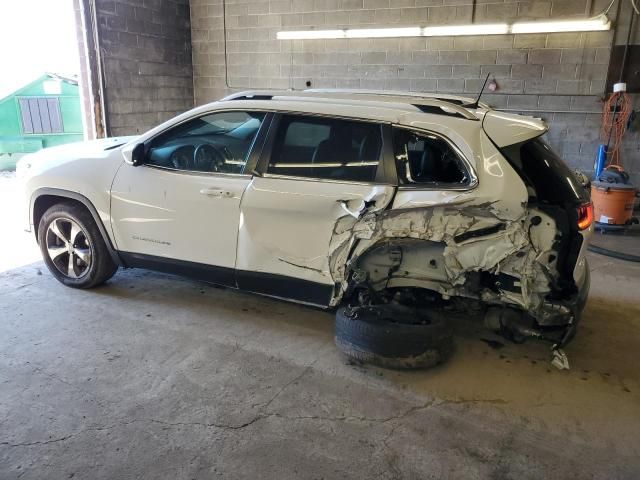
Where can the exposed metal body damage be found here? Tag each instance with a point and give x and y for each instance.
(448, 250)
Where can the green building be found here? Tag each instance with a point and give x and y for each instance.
(43, 113)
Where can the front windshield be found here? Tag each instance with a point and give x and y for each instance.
(216, 124)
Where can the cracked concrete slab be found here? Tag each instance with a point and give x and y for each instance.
(154, 376)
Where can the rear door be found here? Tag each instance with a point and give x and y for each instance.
(319, 175)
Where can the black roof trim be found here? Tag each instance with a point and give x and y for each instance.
(456, 110)
(438, 111)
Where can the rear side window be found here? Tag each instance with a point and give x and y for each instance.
(547, 176)
(422, 158)
(326, 148)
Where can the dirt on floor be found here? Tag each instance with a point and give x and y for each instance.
(154, 376)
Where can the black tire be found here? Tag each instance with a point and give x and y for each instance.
(101, 266)
(392, 336)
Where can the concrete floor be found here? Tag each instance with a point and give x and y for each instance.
(158, 377)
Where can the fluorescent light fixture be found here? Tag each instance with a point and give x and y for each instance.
(383, 32)
(599, 23)
(590, 25)
(310, 34)
(350, 33)
(472, 29)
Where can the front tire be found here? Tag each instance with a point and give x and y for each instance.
(73, 248)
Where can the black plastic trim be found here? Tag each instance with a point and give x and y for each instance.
(258, 145)
(199, 271)
(436, 110)
(388, 159)
(285, 287)
(264, 283)
(57, 192)
(267, 146)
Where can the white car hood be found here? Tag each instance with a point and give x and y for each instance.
(49, 158)
(72, 151)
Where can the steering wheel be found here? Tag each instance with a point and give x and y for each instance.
(204, 158)
(181, 158)
(212, 158)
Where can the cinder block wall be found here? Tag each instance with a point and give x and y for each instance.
(146, 54)
(560, 77)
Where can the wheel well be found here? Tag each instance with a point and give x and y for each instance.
(409, 258)
(45, 202)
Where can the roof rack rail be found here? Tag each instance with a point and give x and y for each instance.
(438, 106)
(248, 96)
(457, 99)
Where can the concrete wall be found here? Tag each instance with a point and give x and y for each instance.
(83, 78)
(146, 52)
(559, 77)
(630, 150)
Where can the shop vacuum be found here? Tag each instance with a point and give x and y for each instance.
(612, 193)
(613, 198)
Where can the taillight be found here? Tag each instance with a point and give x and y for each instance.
(585, 216)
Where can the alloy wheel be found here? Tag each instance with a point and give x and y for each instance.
(68, 247)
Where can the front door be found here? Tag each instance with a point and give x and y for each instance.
(320, 176)
(180, 210)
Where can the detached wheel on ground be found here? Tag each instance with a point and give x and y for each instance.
(393, 336)
(73, 248)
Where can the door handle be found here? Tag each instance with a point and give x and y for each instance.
(216, 192)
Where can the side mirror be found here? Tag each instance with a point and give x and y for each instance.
(138, 156)
(134, 154)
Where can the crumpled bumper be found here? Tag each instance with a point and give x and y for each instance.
(562, 319)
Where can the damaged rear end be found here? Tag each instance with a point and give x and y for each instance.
(510, 233)
(558, 200)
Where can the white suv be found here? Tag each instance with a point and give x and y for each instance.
(324, 197)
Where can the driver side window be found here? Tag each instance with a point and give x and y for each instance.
(214, 143)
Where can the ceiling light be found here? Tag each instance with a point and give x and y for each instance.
(383, 32)
(593, 24)
(599, 23)
(310, 34)
(476, 29)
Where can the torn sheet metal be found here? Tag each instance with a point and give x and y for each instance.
(475, 239)
(287, 226)
(559, 359)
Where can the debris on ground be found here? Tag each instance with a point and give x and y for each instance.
(560, 359)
